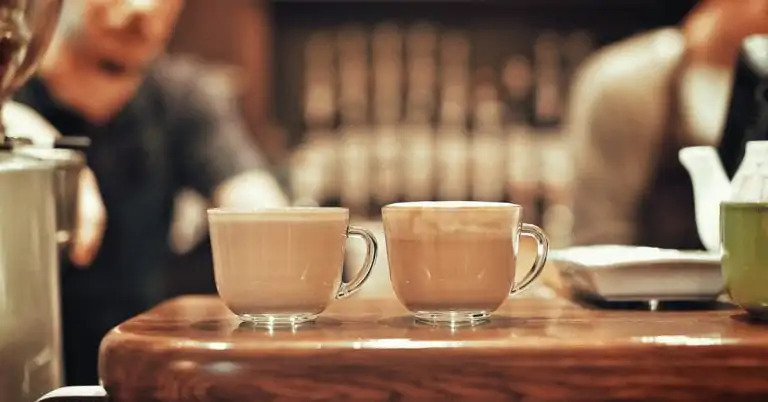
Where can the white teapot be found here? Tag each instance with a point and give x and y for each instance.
(711, 186)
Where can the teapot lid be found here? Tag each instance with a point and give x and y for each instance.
(756, 47)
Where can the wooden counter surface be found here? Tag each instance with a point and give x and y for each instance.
(193, 349)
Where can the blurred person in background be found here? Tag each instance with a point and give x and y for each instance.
(635, 103)
(155, 129)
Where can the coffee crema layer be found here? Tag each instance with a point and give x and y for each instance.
(451, 205)
(278, 214)
(417, 219)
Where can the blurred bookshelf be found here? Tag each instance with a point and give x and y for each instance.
(361, 103)
(439, 100)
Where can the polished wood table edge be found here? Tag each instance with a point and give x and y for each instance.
(193, 348)
(444, 341)
(640, 356)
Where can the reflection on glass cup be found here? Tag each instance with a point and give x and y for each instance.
(453, 262)
(284, 266)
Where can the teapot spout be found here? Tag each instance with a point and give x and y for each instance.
(711, 186)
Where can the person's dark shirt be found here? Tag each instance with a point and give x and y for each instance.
(176, 132)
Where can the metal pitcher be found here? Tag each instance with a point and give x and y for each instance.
(30, 318)
(30, 340)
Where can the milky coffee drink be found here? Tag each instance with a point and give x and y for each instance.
(454, 261)
(281, 265)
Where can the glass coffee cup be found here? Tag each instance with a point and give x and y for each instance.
(284, 266)
(454, 262)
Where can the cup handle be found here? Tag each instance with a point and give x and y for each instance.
(542, 249)
(76, 394)
(371, 251)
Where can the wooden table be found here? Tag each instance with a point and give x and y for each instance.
(193, 349)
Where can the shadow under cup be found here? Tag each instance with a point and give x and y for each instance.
(454, 263)
(284, 266)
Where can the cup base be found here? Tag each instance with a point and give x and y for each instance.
(452, 318)
(277, 320)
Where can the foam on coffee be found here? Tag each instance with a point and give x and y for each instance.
(281, 214)
(424, 218)
(450, 204)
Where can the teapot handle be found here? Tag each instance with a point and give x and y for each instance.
(76, 394)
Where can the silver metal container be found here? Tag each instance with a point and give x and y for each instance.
(66, 182)
(30, 317)
(30, 334)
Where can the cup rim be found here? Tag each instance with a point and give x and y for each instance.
(452, 205)
(276, 211)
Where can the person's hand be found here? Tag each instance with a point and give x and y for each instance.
(90, 223)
